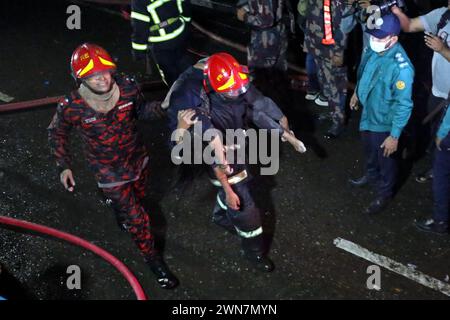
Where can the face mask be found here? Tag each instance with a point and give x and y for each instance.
(379, 46)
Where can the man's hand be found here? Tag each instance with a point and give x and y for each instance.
(390, 146)
(438, 143)
(185, 119)
(396, 10)
(66, 178)
(225, 168)
(233, 200)
(240, 13)
(354, 102)
(434, 42)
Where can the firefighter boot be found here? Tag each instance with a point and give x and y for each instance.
(253, 252)
(164, 277)
(260, 262)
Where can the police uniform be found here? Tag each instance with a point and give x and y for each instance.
(384, 89)
(161, 27)
(441, 180)
(268, 44)
(329, 58)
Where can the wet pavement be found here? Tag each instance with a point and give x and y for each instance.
(305, 206)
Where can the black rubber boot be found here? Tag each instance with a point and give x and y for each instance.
(164, 277)
(260, 262)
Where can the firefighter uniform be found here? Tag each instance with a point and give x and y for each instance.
(161, 27)
(115, 154)
(214, 111)
(113, 147)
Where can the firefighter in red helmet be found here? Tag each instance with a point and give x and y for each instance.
(104, 109)
(216, 94)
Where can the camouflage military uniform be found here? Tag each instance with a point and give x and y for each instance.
(115, 153)
(268, 45)
(329, 58)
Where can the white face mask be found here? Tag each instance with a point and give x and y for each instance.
(379, 46)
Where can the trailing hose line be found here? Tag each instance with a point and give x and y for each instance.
(24, 105)
(105, 255)
(237, 46)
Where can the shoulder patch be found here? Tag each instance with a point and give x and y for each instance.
(400, 85)
(403, 65)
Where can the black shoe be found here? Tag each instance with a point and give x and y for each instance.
(163, 275)
(335, 130)
(424, 177)
(363, 181)
(378, 205)
(429, 225)
(260, 262)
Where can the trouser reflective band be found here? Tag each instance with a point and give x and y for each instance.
(249, 234)
(221, 204)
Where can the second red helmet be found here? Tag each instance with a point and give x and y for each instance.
(225, 75)
(89, 59)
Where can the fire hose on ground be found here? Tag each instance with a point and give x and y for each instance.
(105, 255)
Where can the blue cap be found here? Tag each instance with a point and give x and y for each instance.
(388, 25)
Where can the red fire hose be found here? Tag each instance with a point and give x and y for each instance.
(116, 263)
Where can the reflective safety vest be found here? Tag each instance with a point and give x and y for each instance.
(158, 21)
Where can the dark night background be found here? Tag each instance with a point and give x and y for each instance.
(305, 206)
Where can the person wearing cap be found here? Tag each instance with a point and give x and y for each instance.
(441, 180)
(104, 109)
(384, 90)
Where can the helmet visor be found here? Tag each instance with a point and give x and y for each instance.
(232, 94)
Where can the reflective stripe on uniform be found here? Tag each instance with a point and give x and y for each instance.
(140, 16)
(163, 36)
(221, 204)
(170, 36)
(250, 234)
(137, 46)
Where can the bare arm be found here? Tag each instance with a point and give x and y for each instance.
(408, 24)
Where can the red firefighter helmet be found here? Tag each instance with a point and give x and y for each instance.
(89, 59)
(225, 75)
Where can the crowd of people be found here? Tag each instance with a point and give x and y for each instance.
(218, 92)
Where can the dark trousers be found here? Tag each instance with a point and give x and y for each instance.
(433, 103)
(311, 70)
(246, 220)
(381, 170)
(126, 201)
(441, 181)
(171, 62)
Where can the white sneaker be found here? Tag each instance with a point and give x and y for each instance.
(321, 101)
(311, 95)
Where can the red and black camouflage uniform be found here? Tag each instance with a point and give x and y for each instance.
(115, 153)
